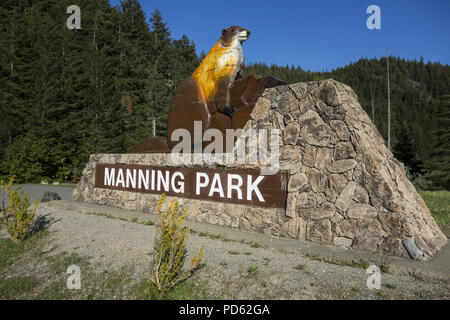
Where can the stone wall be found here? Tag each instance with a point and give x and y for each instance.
(345, 187)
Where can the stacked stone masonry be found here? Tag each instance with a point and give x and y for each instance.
(345, 187)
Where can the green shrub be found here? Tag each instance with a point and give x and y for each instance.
(170, 248)
(17, 216)
(31, 159)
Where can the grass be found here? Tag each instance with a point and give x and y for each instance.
(47, 280)
(385, 264)
(10, 250)
(301, 266)
(416, 275)
(252, 270)
(255, 244)
(439, 204)
(360, 264)
(422, 294)
(10, 287)
(382, 293)
(221, 237)
(390, 286)
(187, 290)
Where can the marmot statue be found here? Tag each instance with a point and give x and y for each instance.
(214, 94)
(205, 95)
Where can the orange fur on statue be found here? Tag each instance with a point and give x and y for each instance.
(205, 95)
(218, 65)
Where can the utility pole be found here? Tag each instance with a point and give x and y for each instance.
(389, 99)
(372, 103)
(154, 126)
(154, 118)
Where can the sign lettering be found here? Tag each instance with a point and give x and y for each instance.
(241, 186)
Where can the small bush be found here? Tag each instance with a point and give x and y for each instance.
(17, 216)
(170, 248)
(252, 270)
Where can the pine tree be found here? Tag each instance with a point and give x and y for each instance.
(439, 165)
(135, 69)
(160, 85)
(405, 150)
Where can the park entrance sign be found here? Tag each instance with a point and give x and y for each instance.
(337, 183)
(241, 186)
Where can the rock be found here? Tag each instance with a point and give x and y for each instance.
(288, 118)
(342, 242)
(289, 152)
(368, 235)
(313, 129)
(319, 231)
(343, 201)
(297, 182)
(349, 174)
(421, 244)
(325, 211)
(392, 245)
(299, 90)
(291, 228)
(302, 226)
(361, 195)
(344, 150)
(329, 93)
(261, 111)
(341, 129)
(341, 166)
(287, 103)
(361, 211)
(291, 205)
(346, 228)
(320, 198)
(295, 167)
(50, 196)
(324, 157)
(333, 186)
(315, 178)
(305, 200)
(253, 215)
(309, 156)
(291, 133)
(413, 251)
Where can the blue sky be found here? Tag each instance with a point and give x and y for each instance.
(316, 35)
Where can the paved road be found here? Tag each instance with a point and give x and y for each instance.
(35, 190)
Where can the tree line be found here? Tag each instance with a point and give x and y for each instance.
(66, 94)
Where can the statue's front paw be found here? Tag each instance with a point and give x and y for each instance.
(229, 111)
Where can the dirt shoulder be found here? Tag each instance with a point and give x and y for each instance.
(237, 264)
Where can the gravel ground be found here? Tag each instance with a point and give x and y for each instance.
(277, 274)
